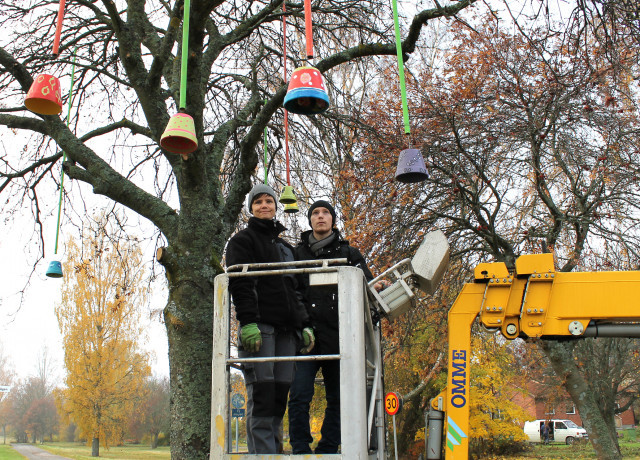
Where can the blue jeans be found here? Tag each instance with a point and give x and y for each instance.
(300, 396)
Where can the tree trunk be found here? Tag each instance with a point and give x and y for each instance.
(190, 351)
(95, 447)
(603, 441)
(188, 319)
(410, 419)
(154, 440)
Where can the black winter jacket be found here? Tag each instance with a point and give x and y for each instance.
(323, 300)
(277, 300)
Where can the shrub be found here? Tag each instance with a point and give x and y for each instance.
(500, 445)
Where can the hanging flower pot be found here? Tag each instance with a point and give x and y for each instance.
(55, 269)
(43, 97)
(287, 196)
(180, 135)
(306, 94)
(411, 167)
(291, 208)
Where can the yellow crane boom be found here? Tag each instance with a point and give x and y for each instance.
(532, 301)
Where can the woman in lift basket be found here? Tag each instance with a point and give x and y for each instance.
(273, 320)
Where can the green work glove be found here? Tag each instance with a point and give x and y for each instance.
(251, 338)
(308, 340)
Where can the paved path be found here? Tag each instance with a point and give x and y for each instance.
(35, 453)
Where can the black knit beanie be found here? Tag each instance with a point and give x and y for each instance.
(322, 204)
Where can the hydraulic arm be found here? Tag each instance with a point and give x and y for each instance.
(532, 301)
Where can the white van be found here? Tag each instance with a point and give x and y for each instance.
(561, 431)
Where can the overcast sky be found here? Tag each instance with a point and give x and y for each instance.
(28, 323)
(26, 329)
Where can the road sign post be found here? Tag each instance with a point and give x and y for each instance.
(391, 403)
(237, 413)
(237, 401)
(392, 407)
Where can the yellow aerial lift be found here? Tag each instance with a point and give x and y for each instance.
(533, 301)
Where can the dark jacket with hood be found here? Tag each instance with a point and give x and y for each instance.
(323, 300)
(274, 299)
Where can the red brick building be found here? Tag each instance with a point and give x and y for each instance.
(540, 408)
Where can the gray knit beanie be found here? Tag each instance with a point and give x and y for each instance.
(322, 204)
(260, 189)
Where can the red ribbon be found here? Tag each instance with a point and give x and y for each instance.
(286, 112)
(308, 28)
(56, 40)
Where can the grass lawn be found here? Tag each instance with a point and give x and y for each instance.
(7, 453)
(83, 452)
(630, 450)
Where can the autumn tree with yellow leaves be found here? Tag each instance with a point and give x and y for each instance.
(99, 319)
(499, 379)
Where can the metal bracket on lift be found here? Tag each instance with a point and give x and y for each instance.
(424, 271)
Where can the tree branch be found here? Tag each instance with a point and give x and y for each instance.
(16, 69)
(124, 123)
(162, 53)
(418, 389)
(28, 123)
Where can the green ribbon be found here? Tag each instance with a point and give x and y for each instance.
(185, 54)
(265, 155)
(64, 155)
(266, 159)
(403, 90)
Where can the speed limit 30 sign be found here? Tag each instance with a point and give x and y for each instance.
(391, 403)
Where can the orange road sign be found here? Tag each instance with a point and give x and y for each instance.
(391, 403)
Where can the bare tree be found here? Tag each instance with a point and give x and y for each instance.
(531, 145)
(33, 411)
